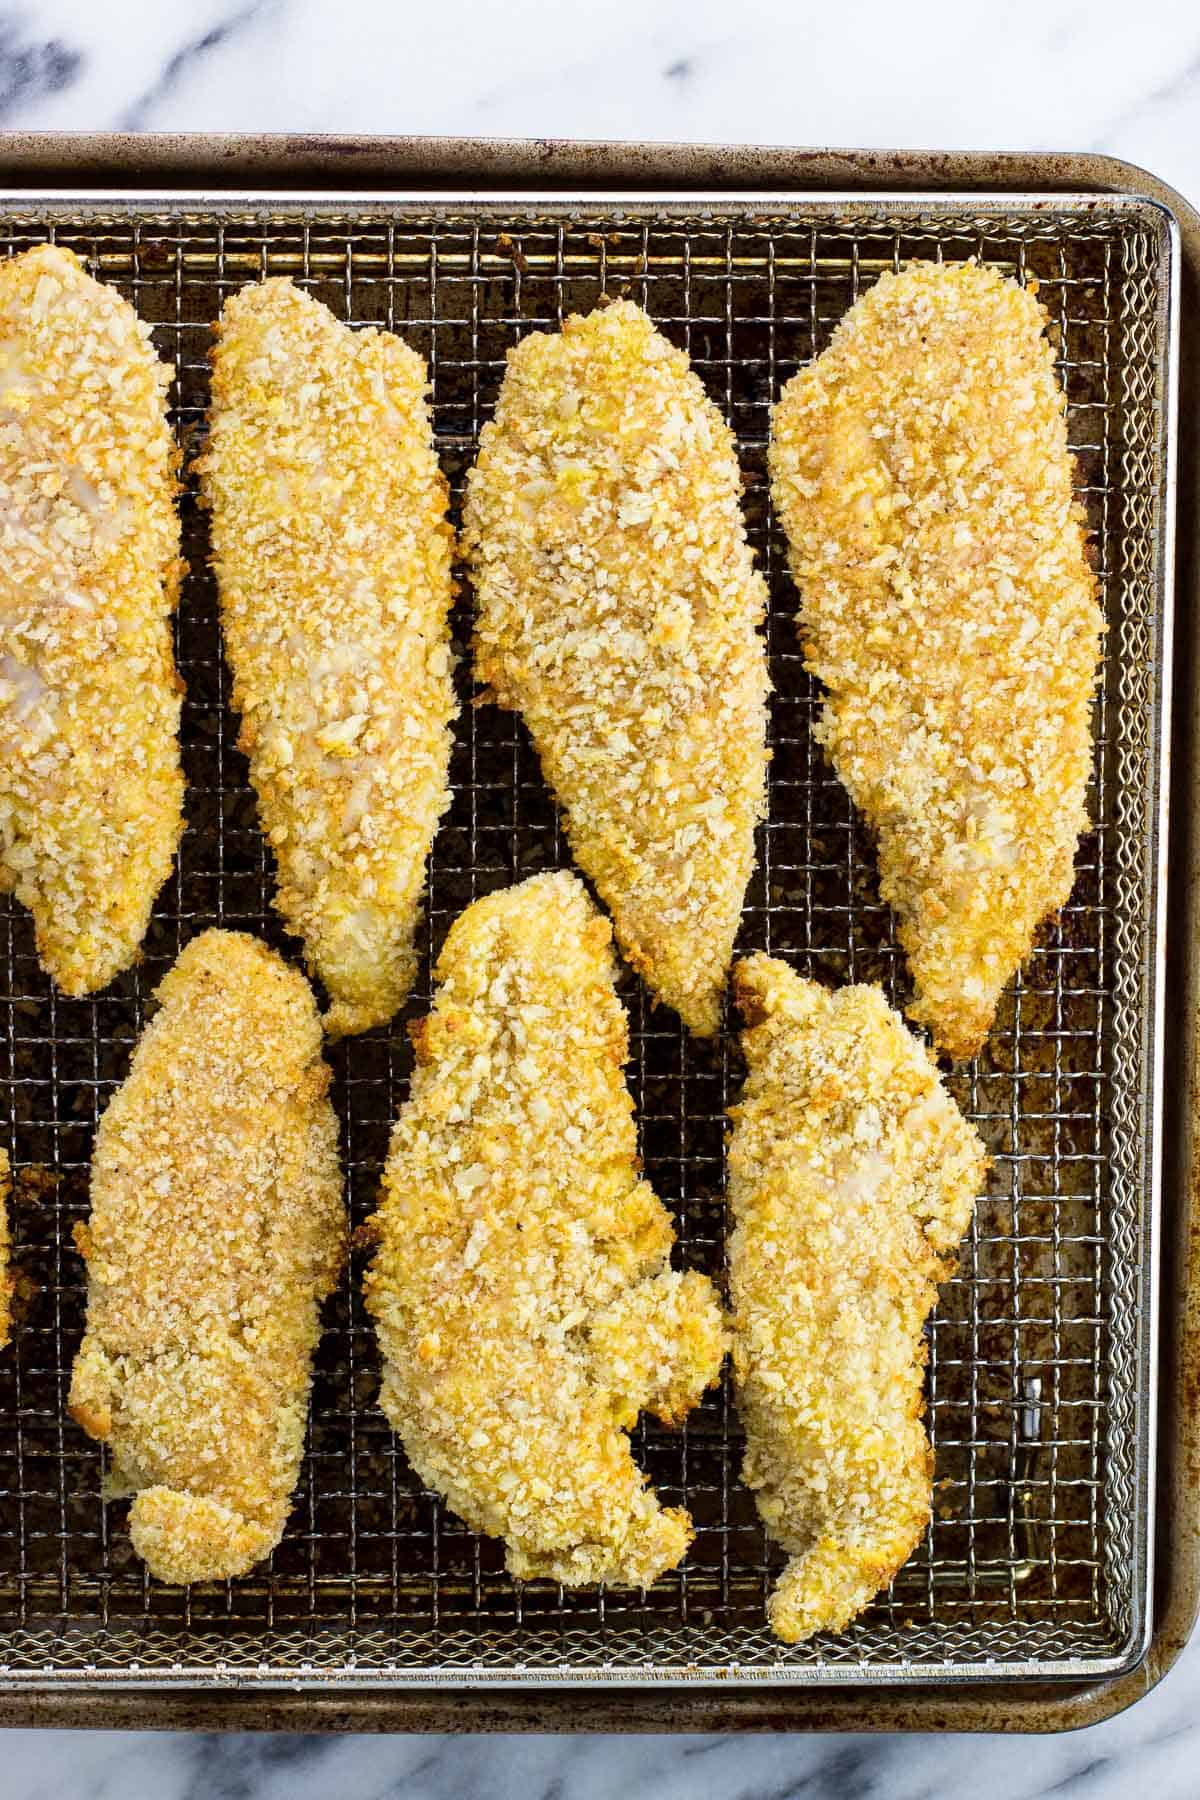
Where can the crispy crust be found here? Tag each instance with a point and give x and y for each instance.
(618, 611)
(333, 559)
(852, 1176)
(921, 471)
(521, 1289)
(216, 1229)
(91, 790)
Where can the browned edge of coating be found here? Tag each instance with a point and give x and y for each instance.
(142, 165)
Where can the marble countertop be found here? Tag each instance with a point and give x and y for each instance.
(1035, 74)
(1059, 74)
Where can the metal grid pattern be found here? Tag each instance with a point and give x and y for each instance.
(1038, 1371)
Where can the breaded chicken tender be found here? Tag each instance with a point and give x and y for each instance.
(216, 1230)
(521, 1289)
(852, 1177)
(333, 560)
(91, 790)
(618, 612)
(921, 472)
(5, 1277)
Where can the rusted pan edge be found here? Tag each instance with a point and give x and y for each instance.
(285, 160)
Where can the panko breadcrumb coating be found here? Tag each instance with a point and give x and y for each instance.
(521, 1289)
(333, 559)
(5, 1277)
(216, 1230)
(921, 471)
(852, 1177)
(91, 790)
(618, 611)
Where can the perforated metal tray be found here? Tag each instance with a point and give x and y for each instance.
(1042, 1351)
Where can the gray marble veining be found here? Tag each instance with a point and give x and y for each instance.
(1061, 74)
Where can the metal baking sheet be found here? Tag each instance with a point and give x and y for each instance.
(1041, 1380)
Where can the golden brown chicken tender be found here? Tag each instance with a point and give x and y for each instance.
(333, 560)
(920, 469)
(521, 1289)
(852, 1176)
(618, 612)
(216, 1230)
(91, 790)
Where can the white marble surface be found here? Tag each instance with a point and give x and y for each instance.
(1094, 74)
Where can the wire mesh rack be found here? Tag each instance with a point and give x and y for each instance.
(1039, 1383)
